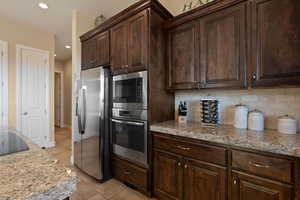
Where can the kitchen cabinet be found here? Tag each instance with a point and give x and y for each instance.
(223, 48)
(95, 51)
(167, 175)
(102, 49)
(89, 57)
(119, 47)
(129, 44)
(183, 61)
(247, 187)
(275, 43)
(203, 181)
(179, 176)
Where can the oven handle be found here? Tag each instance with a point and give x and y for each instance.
(127, 122)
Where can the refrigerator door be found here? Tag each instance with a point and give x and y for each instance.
(91, 122)
(95, 123)
(78, 128)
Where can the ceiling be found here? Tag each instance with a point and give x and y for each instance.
(58, 18)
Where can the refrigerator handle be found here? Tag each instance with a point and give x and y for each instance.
(79, 111)
(84, 109)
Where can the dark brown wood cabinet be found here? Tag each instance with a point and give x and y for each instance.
(89, 56)
(223, 48)
(275, 43)
(95, 51)
(183, 61)
(102, 49)
(247, 187)
(178, 176)
(129, 44)
(204, 181)
(167, 175)
(118, 44)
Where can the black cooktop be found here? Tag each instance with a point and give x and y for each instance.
(11, 143)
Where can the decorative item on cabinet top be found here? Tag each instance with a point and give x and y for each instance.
(191, 4)
(99, 20)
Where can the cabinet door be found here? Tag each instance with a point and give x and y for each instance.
(119, 47)
(204, 181)
(102, 52)
(246, 187)
(138, 41)
(223, 48)
(183, 57)
(89, 54)
(276, 42)
(167, 175)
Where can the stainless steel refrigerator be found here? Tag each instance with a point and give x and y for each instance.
(91, 141)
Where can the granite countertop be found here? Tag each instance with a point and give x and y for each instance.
(268, 140)
(34, 175)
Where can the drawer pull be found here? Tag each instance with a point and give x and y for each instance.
(234, 182)
(179, 164)
(183, 148)
(255, 164)
(127, 173)
(185, 166)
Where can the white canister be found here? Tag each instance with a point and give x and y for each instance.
(287, 125)
(256, 121)
(241, 117)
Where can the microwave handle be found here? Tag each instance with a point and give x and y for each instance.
(130, 123)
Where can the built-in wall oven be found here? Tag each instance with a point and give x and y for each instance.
(130, 91)
(129, 125)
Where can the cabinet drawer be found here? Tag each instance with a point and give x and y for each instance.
(270, 167)
(129, 173)
(202, 152)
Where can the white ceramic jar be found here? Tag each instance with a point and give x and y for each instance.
(241, 117)
(287, 125)
(256, 121)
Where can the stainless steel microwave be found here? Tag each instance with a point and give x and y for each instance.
(130, 91)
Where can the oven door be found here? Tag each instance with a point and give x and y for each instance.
(130, 140)
(130, 91)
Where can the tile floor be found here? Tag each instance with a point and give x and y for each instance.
(89, 188)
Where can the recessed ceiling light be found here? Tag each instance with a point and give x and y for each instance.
(54, 55)
(43, 5)
(68, 46)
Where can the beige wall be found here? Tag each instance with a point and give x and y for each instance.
(272, 102)
(14, 34)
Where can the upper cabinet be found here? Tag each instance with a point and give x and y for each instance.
(95, 51)
(275, 43)
(223, 48)
(129, 44)
(119, 47)
(183, 53)
(209, 52)
(254, 43)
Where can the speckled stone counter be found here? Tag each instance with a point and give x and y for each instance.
(34, 175)
(268, 140)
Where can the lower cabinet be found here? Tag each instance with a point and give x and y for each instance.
(247, 187)
(176, 177)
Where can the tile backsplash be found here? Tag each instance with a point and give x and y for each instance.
(272, 102)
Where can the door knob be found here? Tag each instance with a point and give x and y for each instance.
(25, 113)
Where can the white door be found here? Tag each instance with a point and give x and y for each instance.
(33, 65)
(3, 84)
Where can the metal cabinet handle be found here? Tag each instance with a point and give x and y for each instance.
(126, 122)
(127, 173)
(25, 113)
(234, 182)
(259, 165)
(179, 164)
(254, 76)
(185, 166)
(183, 148)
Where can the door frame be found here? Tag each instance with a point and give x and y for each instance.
(62, 118)
(4, 80)
(19, 49)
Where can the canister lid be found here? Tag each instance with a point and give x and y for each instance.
(286, 117)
